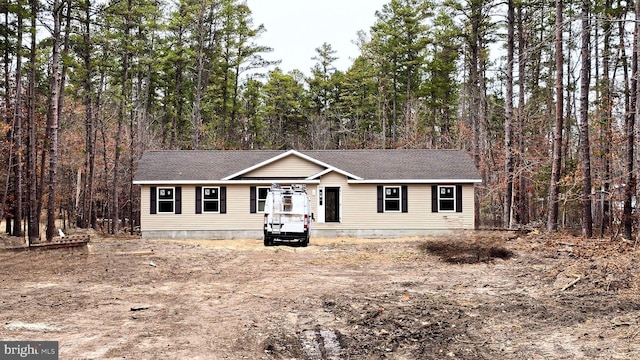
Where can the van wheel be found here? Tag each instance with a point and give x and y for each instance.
(268, 241)
(304, 242)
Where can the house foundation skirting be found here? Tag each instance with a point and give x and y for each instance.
(253, 234)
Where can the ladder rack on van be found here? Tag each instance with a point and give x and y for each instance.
(299, 188)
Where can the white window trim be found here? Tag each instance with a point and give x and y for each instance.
(203, 200)
(258, 198)
(320, 205)
(452, 199)
(173, 200)
(384, 199)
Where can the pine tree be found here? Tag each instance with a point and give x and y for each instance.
(322, 99)
(284, 103)
(397, 46)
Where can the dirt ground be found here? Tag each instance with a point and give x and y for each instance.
(470, 295)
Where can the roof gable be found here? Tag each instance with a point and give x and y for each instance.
(321, 166)
(289, 166)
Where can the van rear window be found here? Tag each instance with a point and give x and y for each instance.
(287, 204)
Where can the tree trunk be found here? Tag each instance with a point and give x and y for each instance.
(554, 189)
(62, 79)
(32, 153)
(585, 146)
(196, 115)
(605, 128)
(633, 176)
(394, 113)
(52, 122)
(179, 92)
(8, 117)
(89, 161)
(627, 217)
(115, 206)
(521, 197)
(17, 136)
(508, 121)
(474, 96)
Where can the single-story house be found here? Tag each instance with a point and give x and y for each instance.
(219, 194)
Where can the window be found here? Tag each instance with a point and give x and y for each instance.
(166, 200)
(391, 198)
(257, 198)
(211, 199)
(262, 198)
(446, 198)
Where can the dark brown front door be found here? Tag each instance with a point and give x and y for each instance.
(332, 204)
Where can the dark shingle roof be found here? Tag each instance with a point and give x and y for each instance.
(397, 164)
(400, 163)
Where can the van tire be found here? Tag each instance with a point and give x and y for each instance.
(268, 241)
(304, 241)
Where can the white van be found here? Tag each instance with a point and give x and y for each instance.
(287, 214)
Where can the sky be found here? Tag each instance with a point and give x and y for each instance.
(295, 28)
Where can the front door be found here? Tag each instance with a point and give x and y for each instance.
(332, 204)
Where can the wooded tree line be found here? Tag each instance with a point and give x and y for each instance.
(543, 96)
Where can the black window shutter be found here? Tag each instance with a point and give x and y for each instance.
(434, 198)
(152, 192)
(380, 199)
(198, 199)
(252, 199)
(405, 199)
(458, 198)
(223, 199)
(178, 200)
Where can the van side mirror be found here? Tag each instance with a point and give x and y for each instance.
(313, 218)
